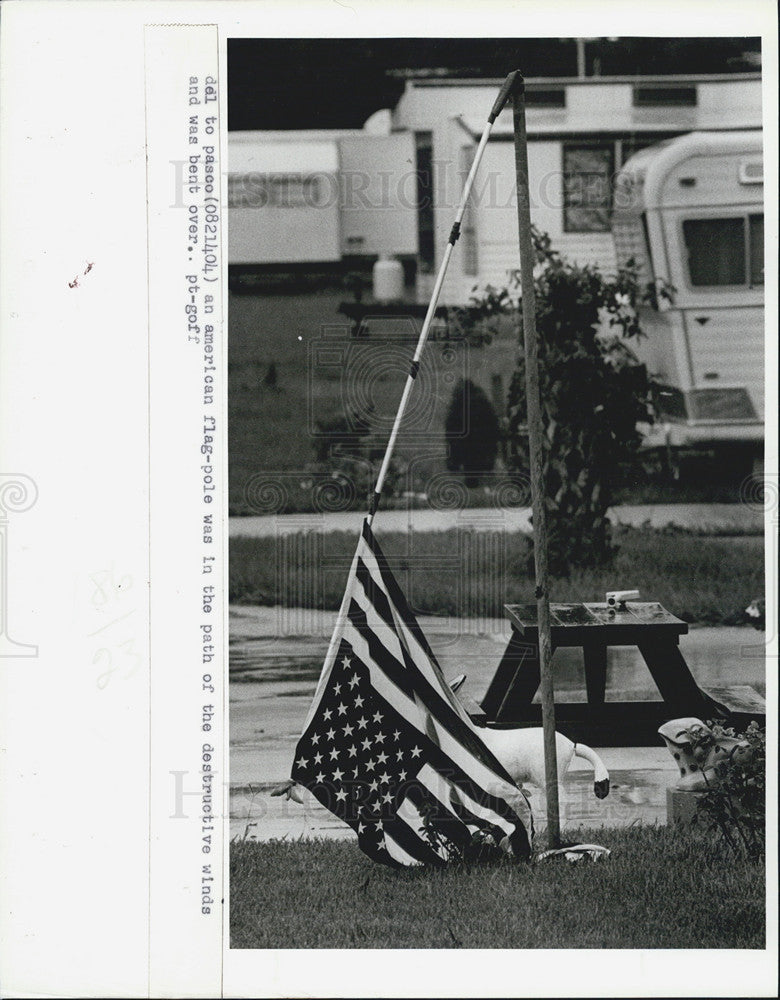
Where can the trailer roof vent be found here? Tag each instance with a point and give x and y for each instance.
(665, 97)
(545, 97)
(751, 172)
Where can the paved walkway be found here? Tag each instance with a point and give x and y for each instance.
(720, 517)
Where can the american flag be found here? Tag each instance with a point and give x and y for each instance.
(387, 746)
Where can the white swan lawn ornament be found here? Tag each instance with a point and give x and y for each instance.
(521, 751)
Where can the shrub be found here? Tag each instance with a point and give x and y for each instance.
(593, 394)
(475, 451)
(734, 802)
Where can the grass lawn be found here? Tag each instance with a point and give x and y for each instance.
(700, 579)
(663, 887)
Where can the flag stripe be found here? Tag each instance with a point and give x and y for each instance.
(464, 743)
(397, 853)
(378, 650)
(492, 792)
(448, 821)
(369, 573)
(442, 789)
(461, 727)
(472, 811)
(450, 755)
(405, 828)
(385, 622)
(390, 625)
(437, 785)
(488, 815)
(392, 694)
(395, 593)
(461, 732)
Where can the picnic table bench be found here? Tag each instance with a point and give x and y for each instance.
(598, 722)
(361, 313)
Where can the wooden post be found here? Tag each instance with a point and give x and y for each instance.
(535, 432)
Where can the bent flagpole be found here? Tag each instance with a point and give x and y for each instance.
(498, 105)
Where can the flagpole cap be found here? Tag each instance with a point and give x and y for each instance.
(514, 84)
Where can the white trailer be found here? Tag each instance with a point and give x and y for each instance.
(283, 205)
(320, 197)
(690, 212)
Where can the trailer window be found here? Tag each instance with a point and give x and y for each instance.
(257, 190)
(587, 188)
(725, 251)
(716, 251)
(665, 97)
(293, 191)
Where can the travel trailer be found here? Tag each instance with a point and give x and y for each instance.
(689, 211)
(318, 199)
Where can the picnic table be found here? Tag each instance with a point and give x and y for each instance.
(360, 315)
(599, 722)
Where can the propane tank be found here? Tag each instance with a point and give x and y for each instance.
(388, 277)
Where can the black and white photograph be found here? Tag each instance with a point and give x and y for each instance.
(496, 453)
(388, 498)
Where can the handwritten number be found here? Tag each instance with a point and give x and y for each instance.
(105, 655)
(129, 645)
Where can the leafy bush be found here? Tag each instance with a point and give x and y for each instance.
(593, 394)
(734, 802)
(475, 451)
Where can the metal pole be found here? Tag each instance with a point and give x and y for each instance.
(499, 103)
(535, 432)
